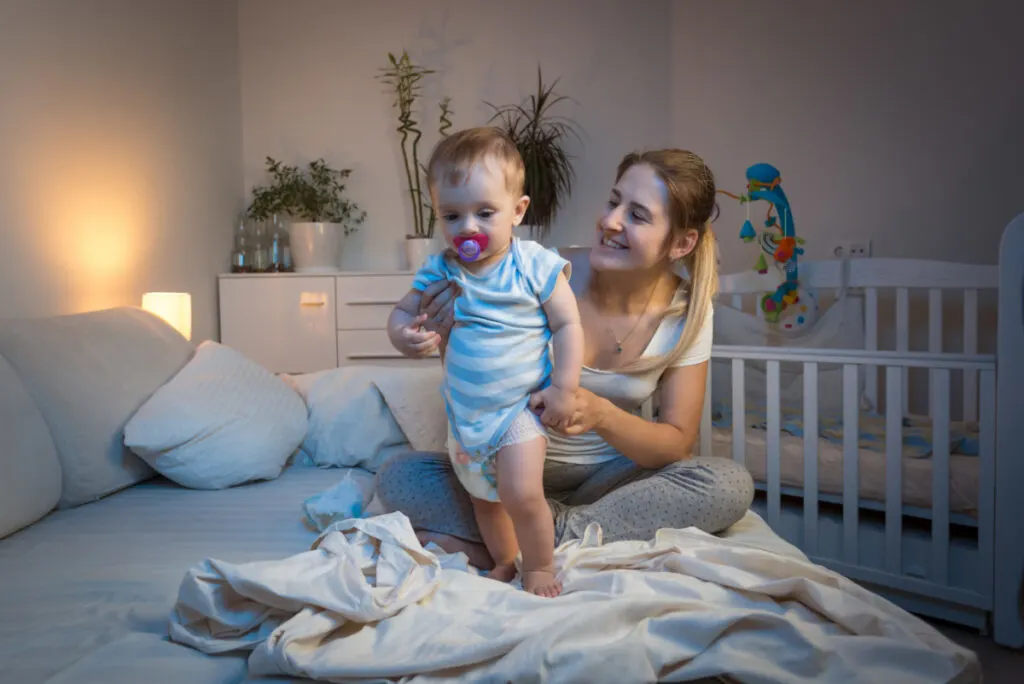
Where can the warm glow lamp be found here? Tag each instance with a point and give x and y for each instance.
(173, 307)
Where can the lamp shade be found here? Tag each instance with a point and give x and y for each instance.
(173, 307)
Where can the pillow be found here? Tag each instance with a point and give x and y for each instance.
(30, 474)
(360, 416)
(349, 423)
(221, 421)
(87, 374)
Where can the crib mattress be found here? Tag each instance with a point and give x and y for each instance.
(964, 471)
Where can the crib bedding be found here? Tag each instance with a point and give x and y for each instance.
(85, 594)
(964, 470)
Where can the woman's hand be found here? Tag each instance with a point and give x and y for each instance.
(437, 303)
(588, 411)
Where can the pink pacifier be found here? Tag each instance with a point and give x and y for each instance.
(470, 248)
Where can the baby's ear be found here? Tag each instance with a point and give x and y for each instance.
(520, 210)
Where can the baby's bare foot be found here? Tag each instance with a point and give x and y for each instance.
(503, 573)
(542, 582)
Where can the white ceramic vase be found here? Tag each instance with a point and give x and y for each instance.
(316, 247)
(417, 249)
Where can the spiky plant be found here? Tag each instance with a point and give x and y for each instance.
(540, 137)
(404, 77)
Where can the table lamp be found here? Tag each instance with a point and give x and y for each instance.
(173, 307)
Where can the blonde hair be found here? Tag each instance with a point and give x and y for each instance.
(691, 192)
(461, 150)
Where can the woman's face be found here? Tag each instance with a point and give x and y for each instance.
(633, 230)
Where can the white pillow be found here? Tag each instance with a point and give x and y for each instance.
(221, 421)
(349, 423)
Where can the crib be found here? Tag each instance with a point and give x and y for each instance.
(922, 504)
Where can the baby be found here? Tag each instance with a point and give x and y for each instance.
(515, 305)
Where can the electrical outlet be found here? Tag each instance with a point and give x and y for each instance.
(853, 249)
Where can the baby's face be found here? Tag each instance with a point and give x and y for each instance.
(477, 201)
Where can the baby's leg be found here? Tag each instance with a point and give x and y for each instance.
(499, 536)
(521, 488)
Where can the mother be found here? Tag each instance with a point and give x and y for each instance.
(647, 335)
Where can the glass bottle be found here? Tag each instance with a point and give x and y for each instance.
(260, 247)
(276, 241)
(240, 253)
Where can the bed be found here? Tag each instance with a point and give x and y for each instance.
(86, 592)
(924, 505)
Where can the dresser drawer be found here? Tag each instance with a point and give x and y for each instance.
(366, 301)
(285, 324)
(373, 348)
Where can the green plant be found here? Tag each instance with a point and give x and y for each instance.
(316, 194)
(540, 137)
(404, 78)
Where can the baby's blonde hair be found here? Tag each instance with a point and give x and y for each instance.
(454, 155)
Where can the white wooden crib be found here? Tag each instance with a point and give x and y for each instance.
(942, 534)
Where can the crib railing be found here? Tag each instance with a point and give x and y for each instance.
(855, 363)
(893, 280)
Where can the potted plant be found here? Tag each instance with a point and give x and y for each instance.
(540, 137)
(404, 77)
(314, 201)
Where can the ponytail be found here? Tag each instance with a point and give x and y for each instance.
(699, 288)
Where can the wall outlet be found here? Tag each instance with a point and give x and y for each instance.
(852, 249)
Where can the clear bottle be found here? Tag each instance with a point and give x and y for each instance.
(241, 258)
(260, 247)
(276, 241)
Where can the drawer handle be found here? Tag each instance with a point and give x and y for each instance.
(364, 357)
(373, 302)
(313, 299)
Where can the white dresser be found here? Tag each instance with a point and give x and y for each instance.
(300, 322)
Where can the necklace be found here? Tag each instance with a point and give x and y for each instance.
(618, 342)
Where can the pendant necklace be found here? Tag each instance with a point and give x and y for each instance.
(618, 342)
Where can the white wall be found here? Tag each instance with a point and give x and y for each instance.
(896, 121)
(308, 90)
(120, 153)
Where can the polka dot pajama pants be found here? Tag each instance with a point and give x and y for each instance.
(628, 502)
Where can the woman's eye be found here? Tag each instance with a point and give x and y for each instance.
(612, 204)
(639, 216)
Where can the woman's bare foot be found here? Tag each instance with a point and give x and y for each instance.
(542, 582)
(476, 553)
(506, 572)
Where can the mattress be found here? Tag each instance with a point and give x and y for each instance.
(964, 471)
(85, 593)
(85, 578)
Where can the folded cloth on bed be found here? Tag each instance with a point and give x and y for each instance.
(369, 602)
(917, 430)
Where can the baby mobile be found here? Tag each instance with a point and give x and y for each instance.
(789, 305)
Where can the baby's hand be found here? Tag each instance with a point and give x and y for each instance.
(416, 342)
(559, 405)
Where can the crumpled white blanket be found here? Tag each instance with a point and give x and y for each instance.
(368, 603)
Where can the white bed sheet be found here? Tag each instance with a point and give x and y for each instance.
(85, 594)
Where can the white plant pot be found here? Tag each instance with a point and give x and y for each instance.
(316, 247)
(417, 250)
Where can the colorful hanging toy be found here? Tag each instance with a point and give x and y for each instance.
(779, 241)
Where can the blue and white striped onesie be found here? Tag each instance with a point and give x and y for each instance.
(498, 351)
